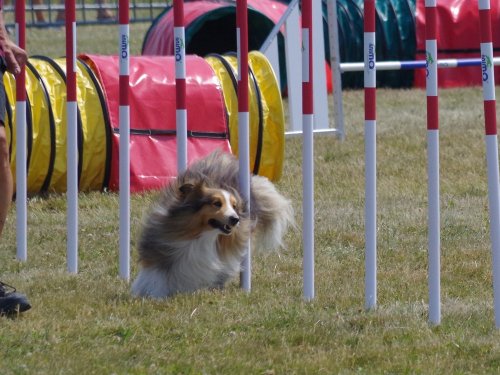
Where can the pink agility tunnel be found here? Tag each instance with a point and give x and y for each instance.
(153, 157)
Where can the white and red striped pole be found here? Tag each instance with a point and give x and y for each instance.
(307, 149)
(370, 81)
(21, 169)
(180, 85)
(124, 123)
(433, 163)
(243, 126)
(72, 139)
(490, 120)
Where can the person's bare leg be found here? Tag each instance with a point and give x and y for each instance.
(6, 188)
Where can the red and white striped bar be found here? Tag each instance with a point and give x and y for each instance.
(243, 126)
(433, 163)
(370, 80)
(308, 149)
(72, 139)
(21, 169)
(124, 124)
(180, 85)
(491, 145)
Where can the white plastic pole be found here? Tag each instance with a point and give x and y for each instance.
(21, 183)
(21, 170)
(370, 157)
(434, 227)
(433, 163)
(244, 127)
(488, 78)
(124, 123)
(180, 86)
(308, 147)
(72, 139)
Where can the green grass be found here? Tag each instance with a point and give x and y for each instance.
(89, 324)
(85, 12)
(51, 41)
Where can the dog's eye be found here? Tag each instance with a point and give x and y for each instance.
(217, 204)
(234, 206)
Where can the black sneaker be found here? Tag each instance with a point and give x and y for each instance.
(12, 302)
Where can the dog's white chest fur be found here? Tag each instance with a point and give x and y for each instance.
(197, 265)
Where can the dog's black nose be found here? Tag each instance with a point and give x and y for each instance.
(233, 220)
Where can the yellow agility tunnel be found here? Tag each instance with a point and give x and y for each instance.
(211, 90)
(46, 127)
(267, 126)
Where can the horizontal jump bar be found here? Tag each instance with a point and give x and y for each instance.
(326, 131)
(417, 64)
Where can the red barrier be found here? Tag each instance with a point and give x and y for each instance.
(152, 115)
(458, 37)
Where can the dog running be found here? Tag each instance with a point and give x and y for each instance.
(194, 237)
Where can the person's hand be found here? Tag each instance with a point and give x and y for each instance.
(15, 57)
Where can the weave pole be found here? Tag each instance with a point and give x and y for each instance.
(21, 169)
(180, 85)
(433, 163)
(308, 149)
(370, 82)
(490, 121)
(243, 127)
(124, 123)
(72, 139)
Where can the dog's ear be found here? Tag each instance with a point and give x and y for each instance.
(191, 191)
(186, 188)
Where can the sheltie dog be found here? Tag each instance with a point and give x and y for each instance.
(196, 235)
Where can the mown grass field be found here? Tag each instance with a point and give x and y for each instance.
(89, 324)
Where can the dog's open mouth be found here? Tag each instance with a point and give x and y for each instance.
(224, 228)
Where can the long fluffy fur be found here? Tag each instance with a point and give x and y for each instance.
(177, 253)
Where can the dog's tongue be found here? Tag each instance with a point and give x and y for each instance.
(223, 227)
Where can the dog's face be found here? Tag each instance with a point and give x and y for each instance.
(217, 208)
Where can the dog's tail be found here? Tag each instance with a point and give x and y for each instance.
(272, 213)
